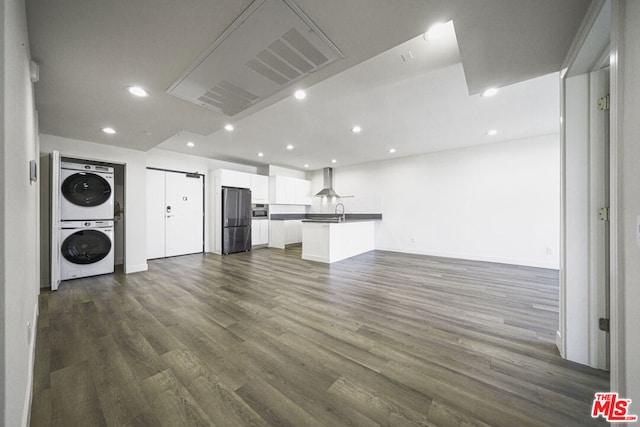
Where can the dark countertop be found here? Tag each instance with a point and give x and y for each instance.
(333, 221)
(317, 217)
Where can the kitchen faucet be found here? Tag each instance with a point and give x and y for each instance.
(343, 217)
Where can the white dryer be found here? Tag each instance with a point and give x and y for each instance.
(86, 248)
(86, 192)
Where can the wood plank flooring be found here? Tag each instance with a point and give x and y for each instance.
(265, 338)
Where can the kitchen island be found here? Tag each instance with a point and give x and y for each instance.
(328, 240)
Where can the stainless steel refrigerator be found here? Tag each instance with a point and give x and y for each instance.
(236, 220)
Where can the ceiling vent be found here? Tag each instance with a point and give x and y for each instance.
(268, 47)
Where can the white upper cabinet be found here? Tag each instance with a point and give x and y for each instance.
(303, 192)
(259, 189)
(229, 178)
(289, 191)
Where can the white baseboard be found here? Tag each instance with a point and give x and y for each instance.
(26, 410)
(136, 268)
(473, 257)
(317, 258)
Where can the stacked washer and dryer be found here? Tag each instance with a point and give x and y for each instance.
(86, 220)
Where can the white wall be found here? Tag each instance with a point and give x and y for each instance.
(19, 258)
(496, 202)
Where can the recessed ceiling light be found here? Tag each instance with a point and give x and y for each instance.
(260, 154)
(333, 160)
(300, 94)
(490, 92)
(491, 132)
(228, 127)
(435, 32)
(356, 129)
(190, 144)
(392, 150)
(289, 147)
(138, 91)
(306, 165)
(110, 131)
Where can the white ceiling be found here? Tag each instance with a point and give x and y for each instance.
(89, 51)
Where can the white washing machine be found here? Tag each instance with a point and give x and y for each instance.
(86, 192)
(86, 248)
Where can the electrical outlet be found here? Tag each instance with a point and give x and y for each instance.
(413, 240)
(549, 251)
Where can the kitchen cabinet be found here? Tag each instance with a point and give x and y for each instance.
(259, 232)
(284, 190)
(285, 232)
(331, 242)
(259, 188)
(302, 192)
(292, 232)
(229, 178)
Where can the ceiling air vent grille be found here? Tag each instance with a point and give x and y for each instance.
(270, 46)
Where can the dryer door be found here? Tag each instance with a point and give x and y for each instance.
(86, 247)
(86, 189)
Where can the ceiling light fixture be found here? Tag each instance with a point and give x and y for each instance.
(435, 32)
(491, 132)
(300, 94)
(138, 91)
(356, 129)
(228, 127)
(333, 160)
(289, 147)
(392, 150)
(190, 144)
(490, 92)
(306, 165)
(109, 131)
(260, 154)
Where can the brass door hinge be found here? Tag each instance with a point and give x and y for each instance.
(603, 214)
(603, 103)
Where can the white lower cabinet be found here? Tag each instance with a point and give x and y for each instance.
(259, 232)
(285, 232)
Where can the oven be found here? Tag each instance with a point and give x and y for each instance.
(260, 211)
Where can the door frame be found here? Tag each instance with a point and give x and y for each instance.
(614, 33)
(56, 157)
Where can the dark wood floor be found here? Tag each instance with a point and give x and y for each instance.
(264, 338)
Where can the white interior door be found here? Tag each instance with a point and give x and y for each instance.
(156, 211)
(184, 214)
(599, 244)
(55, 220)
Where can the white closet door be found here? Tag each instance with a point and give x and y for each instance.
(184, 220)
(156, 211)
(55, 220)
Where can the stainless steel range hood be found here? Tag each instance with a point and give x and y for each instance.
(327, 180)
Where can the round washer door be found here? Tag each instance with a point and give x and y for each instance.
(86, 247)
(86, 189)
